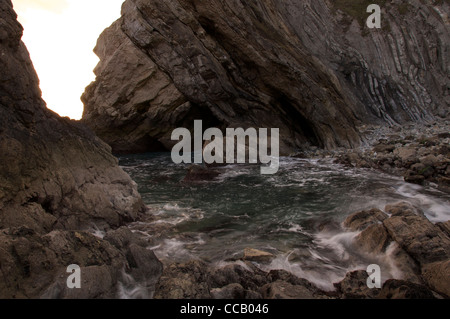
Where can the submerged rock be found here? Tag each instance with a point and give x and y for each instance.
(198, 174)
(256, 255)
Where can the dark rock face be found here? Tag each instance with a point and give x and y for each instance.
(197, 280)
(421, 251)
(305, 67)
(354, 286)
(56, 180)
(400, 289)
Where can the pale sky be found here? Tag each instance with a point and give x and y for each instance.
(60, 35)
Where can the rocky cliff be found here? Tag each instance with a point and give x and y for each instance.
(311, 68)
(57, 180)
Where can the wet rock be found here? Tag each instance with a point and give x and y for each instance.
(285, 290)
(421, 239)
(184, 281)
(123, 237)
(249, 278)
(96, 283)
(361, 220)
(437, 275)
(56, 179)
(402, 208)
(198, 174)
(232, 291)
(258, 256)
(285, 276)
(400, 289)
(145, 266)
(408, 155)
(374, 239)
(35, 266)
(354, 286)
(414, 178)
(383, 148)
(445, 226)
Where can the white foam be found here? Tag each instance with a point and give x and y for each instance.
(128, 288)
(338, 243)
(435, 209)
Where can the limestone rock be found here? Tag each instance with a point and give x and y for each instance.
(57, 179)
(374, 239)
(305, 67)
(354, 286)
(285, 290)
(400, 289)
(232, 291)
(184, 281)
(436, 275)
(361, 220)
(424, 241)
(251, 279)
(418, 248)
(256, 255)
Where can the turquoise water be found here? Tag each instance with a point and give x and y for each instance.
(295, 214)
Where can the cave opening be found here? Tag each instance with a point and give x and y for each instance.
(298, 122)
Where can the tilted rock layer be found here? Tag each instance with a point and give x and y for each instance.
(307, 67)
(56, 180)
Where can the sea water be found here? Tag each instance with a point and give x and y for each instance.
(295, 214)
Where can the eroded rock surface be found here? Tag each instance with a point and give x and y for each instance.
(421, 249)
(307, 67)
(57, 180)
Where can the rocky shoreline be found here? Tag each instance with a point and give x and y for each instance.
(64, 200)
(419, 250)
(419, 153)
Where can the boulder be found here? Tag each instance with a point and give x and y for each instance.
(361, 220)
(406, 154)
(354, 286)
(421, 239)
(249, 278)
(400, 289)
(259, 256)
(436, 275)
(198, 174)
(374, 239)
(190, 280)
(285, 290)
(232, 291)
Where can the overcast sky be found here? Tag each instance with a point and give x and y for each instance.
(60, 35)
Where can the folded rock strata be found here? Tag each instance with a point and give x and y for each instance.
(307, 67)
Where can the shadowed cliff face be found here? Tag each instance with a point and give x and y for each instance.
(56, 180)
(307, 67)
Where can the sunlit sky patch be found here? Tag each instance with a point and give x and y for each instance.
(60, 35)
